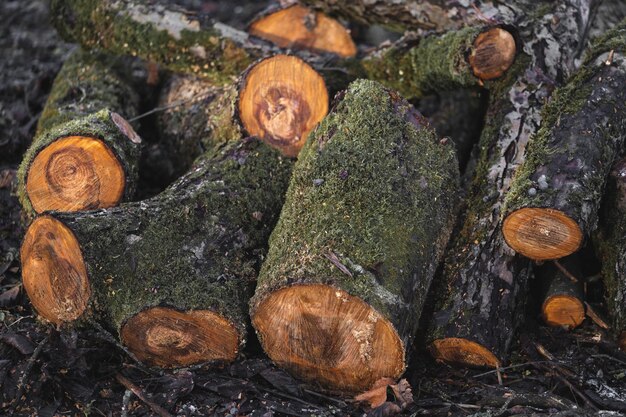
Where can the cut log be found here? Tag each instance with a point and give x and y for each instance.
(416, 65)
(563, 303)
(367, 215)
(554, 200)
(479, 297)
(437, 15)
(299, 27)
(172, 274)
(610, 244)
(279, 99)
(82, 157)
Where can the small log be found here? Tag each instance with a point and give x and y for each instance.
(300, 27)
(82, 157)
(555, 197)
(563, 303)
(610, 243)
(367, 216)
(172, 274)
(279, 99)
(416, 65)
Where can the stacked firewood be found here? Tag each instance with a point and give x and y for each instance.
(367, 204)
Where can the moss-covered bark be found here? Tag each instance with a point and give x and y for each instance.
(87, 83)
(480, 294)
(583, 129)
(373, 190)
(180, 41)
(610, 243)
(416, 65)
(196, 246)
(198, 116)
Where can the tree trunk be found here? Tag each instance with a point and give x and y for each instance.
(610, 244)
(171, 274)
(480, 295)
(367, 216)
(554, 200)
(80, 159)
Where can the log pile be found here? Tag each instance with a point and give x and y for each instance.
(342, 218)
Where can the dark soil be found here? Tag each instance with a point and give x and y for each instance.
(53, 372)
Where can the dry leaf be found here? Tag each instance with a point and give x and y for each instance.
(377, 395)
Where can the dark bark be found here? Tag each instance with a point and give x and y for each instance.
(480, 294)
(458, 115)
(368, 213)
(196, 246)
(610, 244)
(87, 83)
(568, 160)
(438, 15)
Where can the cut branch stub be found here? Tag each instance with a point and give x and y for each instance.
(367, 215)
(304, 28)
(53, 271)
(168, 338)
(493, 53)
(281, 100)
(542, 233)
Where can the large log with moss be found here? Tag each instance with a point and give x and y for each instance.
(554, 200)
(367, 215)
(278, 99)
(83, 157)
(609, 240)
(479, 297)
(172, 274)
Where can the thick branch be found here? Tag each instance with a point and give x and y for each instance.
(554, 200)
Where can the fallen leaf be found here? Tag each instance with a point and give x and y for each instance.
(8, 297)
(19, 342)
(377, 395)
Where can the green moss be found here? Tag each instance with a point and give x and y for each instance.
(374, 187)
(179, 42)
(418, 66)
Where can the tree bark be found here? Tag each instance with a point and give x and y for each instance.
(554, 200)
(367, 216)
(437, 15)
(81, 157)
(610, 244)
(172, 274)
(480, 295)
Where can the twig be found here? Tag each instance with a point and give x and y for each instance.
(565, 271)
(519, 365)
(139, 393)
(595, 317)
(171, 106)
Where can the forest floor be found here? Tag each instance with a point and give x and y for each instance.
(49, 372)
